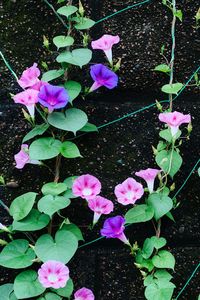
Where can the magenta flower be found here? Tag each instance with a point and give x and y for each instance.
(28, 98)
(86, 187)
(102, 76)
(84, 294)
(128, 191)
(53, 97)
(105, 43)
(39, 84)
(22, 158)
(174, 120)
(29, 77)
(100, 206)
(53, 274)
(149, 176)
(114, 228)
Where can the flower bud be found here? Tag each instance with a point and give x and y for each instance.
(172, 187)
(81, 9)
(3, 243)
(45, 42)
(197, 16)
(26, 115)
(118, 65)
(155, 152)
(189, 128)
(159, 106)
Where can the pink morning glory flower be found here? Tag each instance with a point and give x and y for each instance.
(102, 76)
(53, 274)
(22, 158)
(29, 77)
(86, 186)
(105, 43)
(149, 176)
(84, 294)
(129, 191)
(28, 98)
(38, 85)
(174, 120)
(114, 228)
(53, 97)
(100, 206)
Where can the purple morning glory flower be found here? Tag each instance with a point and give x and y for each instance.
(53, 97)
(102, 76)
(114, 228)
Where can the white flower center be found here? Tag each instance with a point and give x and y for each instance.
(87, 192)
(52, 278)
(130, 195)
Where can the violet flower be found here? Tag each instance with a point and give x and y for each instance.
(149, 176)
(84, 294)
(86, 186)
(129, 191)
(100, 206)
(174, 120)
(102, 76)
(29, 77)
(114, 228)
(53, 97)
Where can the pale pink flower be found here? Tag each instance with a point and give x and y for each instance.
(39, 84)
(174, 120)
(86, 187)
(100, 206)
(29, 77)
(53, 274)
(105, 43)
(84, 294)
(22, 158)
(29, 98)
(149, 176)
(129, 191)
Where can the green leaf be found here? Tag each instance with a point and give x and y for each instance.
(5, 291)
(167, 135)
(22, 205)
(161, 204)
(67, 290)
(83, 23)
(67, 10)
(54, 188)
(51, 204)
(162, 68)
(158, 242)
(34, 221)
(17, 255)
(172, 88)
(178, 13)
(73, 120)
(164, 158)
(26, 285)
(147, 249)
(62, 249)
(89, 128)
(148, 280)
(161, 290)
(52, 74)
(63, 41)
(37, 130)
(161, 145)
(164, 259)
(139, 213)
(69, 181)
(73, 229)
(50, 296)
(44, 148)
(163, 274)
(12, 296)
(70, 150)
(73, 88)
(78, 57)
(170, 216)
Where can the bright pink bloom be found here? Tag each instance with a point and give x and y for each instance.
(174, 120)
(149, 176)
(129, 191)
(22, 158)
(84, 294)
(100, 206)
(86, 187)
(29, 98)
(39, 84)
(29, 77)
(105, 43)
(53, 274)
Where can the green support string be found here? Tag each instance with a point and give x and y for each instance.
(8, 65)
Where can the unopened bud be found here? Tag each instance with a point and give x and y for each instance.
(44, 65)
(26, 115)
(159, 106)
(81, 9)
(3, 243)
(45, 42)
(197, 16)
(86, 38)
(144, 274)
(138, 266)
(172, 187)
(118, 65)
(189, 128)
(155, 151)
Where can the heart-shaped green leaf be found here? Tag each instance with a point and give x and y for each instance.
(159, 290)
(6, 290)
(169, 161)
(17, 255)
(37, 130)
(83, 23)
(73, 120)
(73, 88)
(69, 181)
(167, 135)
(67, 290)
(161, 204)
(139, 213)
(51, 204)
(78, 57)
(158, 242)
(44, 148)
(52, 74)
(162, 68)
(54, 188)
(34, 221)
(22, 205)
(63, 41)
(164, 259)
(172, 88)
(70, 150)
(67, 10)
(74, 229)
(62, 249)
(26, 285)
(89, 128)
(50, 296)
